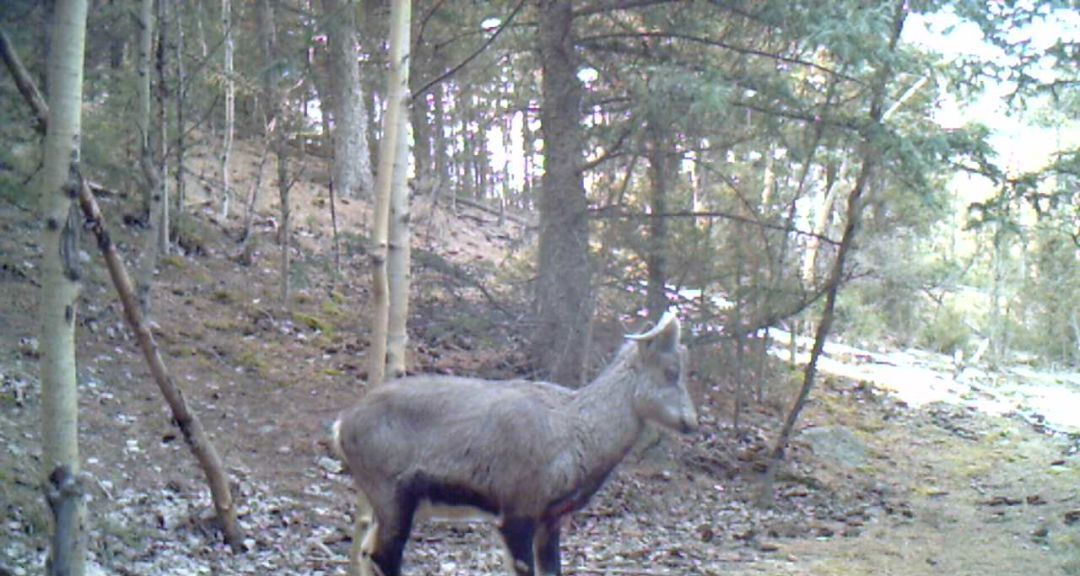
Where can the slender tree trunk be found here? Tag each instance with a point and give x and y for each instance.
(352, 158)
(249, 211)
(400, 255)
(334, 230)
(181, 98)
(276, 112)
(397, 90)
(285, 231)
(821, 224)
(564, 303)
(230, 109)
(528, 144)
(870, 154)
(200, 29)
(421, 124)
(656, 260)
(442, 149)
(163, 132)
(142, 112)
(998, 317)
(60, 289)
(153, 178)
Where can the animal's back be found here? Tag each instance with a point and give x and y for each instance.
(456, 431)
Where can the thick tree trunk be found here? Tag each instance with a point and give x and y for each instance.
(397, 91)
(564, 303)
(59, 283)
(352, 158)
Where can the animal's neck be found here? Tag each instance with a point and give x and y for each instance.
(609, 426)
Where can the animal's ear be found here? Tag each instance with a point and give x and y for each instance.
(663, 338)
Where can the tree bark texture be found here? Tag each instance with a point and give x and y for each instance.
(190, 425)
(397, 91)
(352, 158)
(400, 254)
(59, 271)
(564, 299)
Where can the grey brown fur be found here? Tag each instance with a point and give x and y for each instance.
(526, 452)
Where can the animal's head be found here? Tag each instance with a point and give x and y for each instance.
(660, 393)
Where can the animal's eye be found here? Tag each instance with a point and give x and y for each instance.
(671, 374)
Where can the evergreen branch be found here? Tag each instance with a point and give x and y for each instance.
(455, 69)
(611, 212)
(613, 5)
(719, 44)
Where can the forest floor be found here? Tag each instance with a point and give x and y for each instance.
(874, 482)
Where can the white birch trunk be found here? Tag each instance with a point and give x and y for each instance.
(142, 70)
(230, 109)
(397, 92)
(400, 254)
(59, 276)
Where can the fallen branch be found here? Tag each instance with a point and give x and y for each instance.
(189, 424)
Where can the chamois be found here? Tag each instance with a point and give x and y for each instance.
(527, 453)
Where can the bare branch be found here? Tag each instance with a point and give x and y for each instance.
(24, 82)
(613, 5)
(617, 212)
(718, 44)
(454, 70)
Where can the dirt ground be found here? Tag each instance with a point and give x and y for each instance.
(936, 490)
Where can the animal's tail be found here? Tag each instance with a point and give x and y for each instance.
(335, 440)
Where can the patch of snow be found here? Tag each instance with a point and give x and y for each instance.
(919, 377)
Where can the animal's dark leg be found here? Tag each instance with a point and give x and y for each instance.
(391, 535)
(547, 548)
(519, 533)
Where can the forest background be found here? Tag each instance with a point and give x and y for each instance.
(893, 174)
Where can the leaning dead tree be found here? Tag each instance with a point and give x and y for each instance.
(190, 426)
